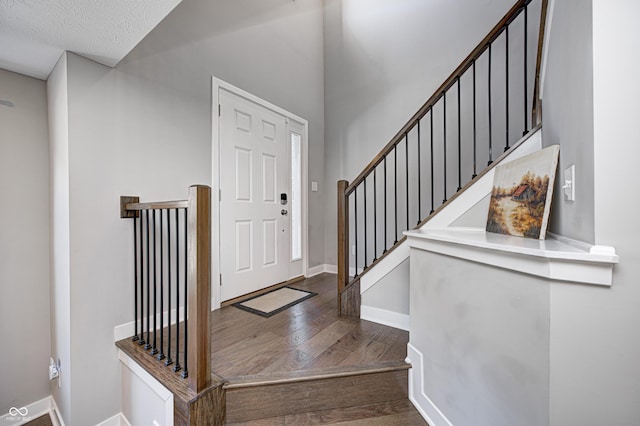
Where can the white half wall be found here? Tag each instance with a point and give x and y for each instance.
(482, 334)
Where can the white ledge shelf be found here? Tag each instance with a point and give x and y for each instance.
(556, 258)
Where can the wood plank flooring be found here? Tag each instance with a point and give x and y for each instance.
(293, 353)
(44, 420)
(308, 336)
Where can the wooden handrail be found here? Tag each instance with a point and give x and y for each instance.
(536, 110)
(158, 205)
(450, 81)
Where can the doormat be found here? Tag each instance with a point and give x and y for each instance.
(275, 301)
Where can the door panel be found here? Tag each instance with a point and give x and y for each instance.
(254, 170)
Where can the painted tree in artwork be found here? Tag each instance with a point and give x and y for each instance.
(527, 217)
(519, 209)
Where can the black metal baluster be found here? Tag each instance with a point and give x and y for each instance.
(169, 361)
(176, 366)
(161, 354)
(419, 180)
(526, 120)
(406, 172)
(431, 142)
(459, 143)
(135, 279)
(142, 278)
(355, 228)
(365, 223)
(154, 349)
(474, 122)
(385, 205)
(489, 96)
(185, 371)
(147, 346)
(375, 215)
(506, 87)
(395, 190)
(444, 163)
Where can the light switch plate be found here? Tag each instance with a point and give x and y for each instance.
(570, 183)
(314, 186)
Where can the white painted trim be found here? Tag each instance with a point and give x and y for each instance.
(321, 269)
(33, 411)
(545, 45)
(331, 269)
(153, 384)
(385, 317)
(427, 409)
(127, 329)
(552, 259)
(56, 417)
(117, 420)
(384, 267)
(216, 85)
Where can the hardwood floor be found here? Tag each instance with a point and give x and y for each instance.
(40, 421)
(306, 337)
(302, 366)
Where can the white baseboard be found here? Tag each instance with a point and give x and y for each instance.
(321, 269)
(22, 415)
(125, 330)
(418, 398)
(384, 317)
(117, 420)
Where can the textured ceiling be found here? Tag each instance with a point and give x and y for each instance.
(34, 33)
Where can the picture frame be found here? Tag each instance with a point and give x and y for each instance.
(521, 195)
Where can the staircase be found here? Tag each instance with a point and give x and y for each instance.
(440, 153)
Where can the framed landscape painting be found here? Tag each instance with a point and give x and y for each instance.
(521, 195)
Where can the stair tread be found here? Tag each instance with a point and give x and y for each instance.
(307, 375)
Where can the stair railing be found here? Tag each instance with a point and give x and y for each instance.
(172, 281)
(468, 118)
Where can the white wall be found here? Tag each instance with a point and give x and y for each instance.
(595, 340)
(270, 48)
(24, 241)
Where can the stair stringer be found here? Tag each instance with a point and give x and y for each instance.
(469, 201)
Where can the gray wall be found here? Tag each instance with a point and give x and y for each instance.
(484, 336)
(567, 112)
(24, 241)
(144, 129)
(270, 48)
(58, 112)
(382, 61)
(595, 339)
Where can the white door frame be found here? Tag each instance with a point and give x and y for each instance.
(216, 85)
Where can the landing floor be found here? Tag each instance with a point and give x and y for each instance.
(308, 336)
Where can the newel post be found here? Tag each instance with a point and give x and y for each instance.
(199, 286)
(343, 240)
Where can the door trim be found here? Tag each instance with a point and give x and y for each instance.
(216, 85)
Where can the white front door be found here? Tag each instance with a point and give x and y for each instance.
(254, 182)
